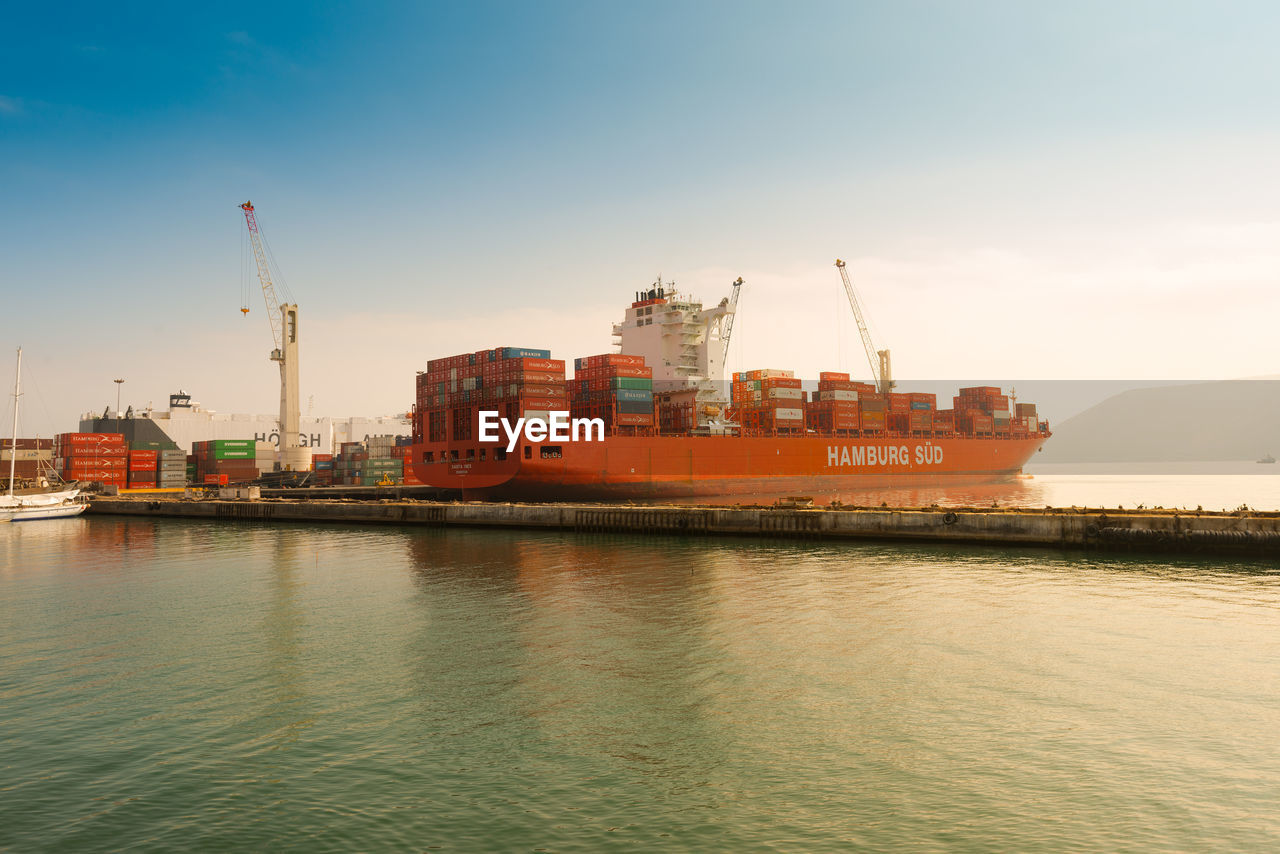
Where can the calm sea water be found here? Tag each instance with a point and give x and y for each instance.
(170, 684)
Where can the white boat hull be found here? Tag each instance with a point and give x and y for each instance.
(32, 514)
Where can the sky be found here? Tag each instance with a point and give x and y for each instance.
(1021, 190)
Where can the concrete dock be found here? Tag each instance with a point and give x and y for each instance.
(1195, 532)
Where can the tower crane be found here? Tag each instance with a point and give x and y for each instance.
(284, 333)
(881, 369)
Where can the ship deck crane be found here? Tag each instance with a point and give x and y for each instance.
(284, 332)
(881, 369)
(728, 322)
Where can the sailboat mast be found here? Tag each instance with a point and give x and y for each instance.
(17, 392)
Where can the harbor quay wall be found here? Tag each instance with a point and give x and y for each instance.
(1241, 533)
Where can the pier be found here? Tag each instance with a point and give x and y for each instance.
(1191, 532)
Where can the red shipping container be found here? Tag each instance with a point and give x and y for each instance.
(604, 359)
(94, 438)
(540, 403)
(524, 365)
(833, 376)
(97, 462)
(81, 449)
(629, 419)
(627, 371)
(780, 382)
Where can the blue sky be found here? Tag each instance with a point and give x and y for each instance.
(1073, 191)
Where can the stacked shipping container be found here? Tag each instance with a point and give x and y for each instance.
(835, 408)
(156, 465)
(982, 410)
(31, 457)
(92, 458)
(223, 461)
(515, 382)
(617, 389)
(368, 463)
(912, 414)
(769, 401)
(322, 469)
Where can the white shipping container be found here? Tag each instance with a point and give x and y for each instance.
(785, 393)
(838, 395)
(789, 414)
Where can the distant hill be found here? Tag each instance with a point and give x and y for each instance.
(1232, 420)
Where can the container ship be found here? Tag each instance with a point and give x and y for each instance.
(655, 420)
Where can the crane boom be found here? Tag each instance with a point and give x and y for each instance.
(881, 369)
(284, 334)
(728, 323)
(264, 274)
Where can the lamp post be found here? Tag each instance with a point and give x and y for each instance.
(118, 384)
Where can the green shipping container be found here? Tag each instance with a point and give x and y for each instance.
(152, 446)
(226, 444)
(638, 383)
(234, 454)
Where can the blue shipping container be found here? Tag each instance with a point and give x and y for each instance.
(522, 353)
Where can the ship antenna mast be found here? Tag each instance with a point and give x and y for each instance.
(881, 369)
(284, 334)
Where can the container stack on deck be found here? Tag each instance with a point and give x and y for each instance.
(1025, 418)
(912, 414)
(982, 410)
(769, 401)
(402, 451)
(617, 389)
(92, 458)
(31, 458)
(516, 382)
(834, 408)
(223, 461)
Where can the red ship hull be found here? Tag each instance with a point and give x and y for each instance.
(658, 467)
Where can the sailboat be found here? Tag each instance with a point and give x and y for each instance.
(30, 505)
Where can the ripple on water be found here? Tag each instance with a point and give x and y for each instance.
(177, 684)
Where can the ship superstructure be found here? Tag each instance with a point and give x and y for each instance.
(685, 345)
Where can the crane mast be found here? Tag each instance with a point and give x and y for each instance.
(284, 333)
(881, 369)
